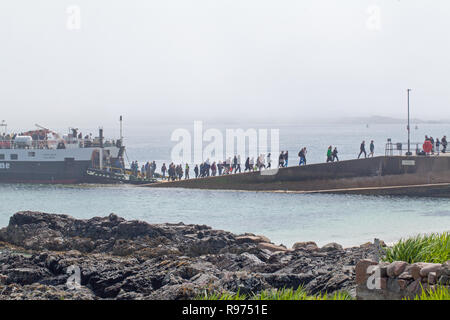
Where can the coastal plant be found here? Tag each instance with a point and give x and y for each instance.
(283, 294)
(278, 294)
(299, 294)
(434, 248)
(438, 293)
(222, 296)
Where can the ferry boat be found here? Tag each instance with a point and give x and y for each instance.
(45, 156)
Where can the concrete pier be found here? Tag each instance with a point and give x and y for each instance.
(394, 175)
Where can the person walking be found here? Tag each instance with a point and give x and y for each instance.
(220, 167)
(301, 155)
(234, 166)
(432, 145)
(171, 172)
(286, 159)
(269, 161)
(196, 171)
(238, 164)
(262, 163)
(362, 149)
(247, 164)
(438, 144)
(427, 147)
(153, 169)
(372, 149)
(444, 144)
(281, 160)
(330, 154)
(213, 169)
(334, 154)
(186, 172)
(163, 170)
(207, 167)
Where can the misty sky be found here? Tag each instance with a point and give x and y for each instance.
(221, 59)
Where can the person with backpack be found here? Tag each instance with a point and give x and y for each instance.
(281, 160)
(302, 156)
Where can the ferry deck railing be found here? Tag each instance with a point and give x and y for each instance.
(55, 144)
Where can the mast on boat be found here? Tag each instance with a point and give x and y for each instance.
(121, 132)
(100, 133)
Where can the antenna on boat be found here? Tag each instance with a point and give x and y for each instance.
(121, 132)
(3, 124)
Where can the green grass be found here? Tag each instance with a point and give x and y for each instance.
(277, 294)
(439, 293)
(222, 296)
(433, 248)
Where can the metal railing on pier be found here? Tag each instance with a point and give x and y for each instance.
(398, 148)
(416, 148)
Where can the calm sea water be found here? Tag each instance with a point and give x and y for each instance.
(284, 218)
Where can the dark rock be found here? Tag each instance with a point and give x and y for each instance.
(331, 247)
(280, 280)
(120, 259)
(25, 276)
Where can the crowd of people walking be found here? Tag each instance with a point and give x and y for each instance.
(146, 171)
(232, 165)
(219, 168)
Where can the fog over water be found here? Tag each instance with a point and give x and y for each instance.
(84, 63)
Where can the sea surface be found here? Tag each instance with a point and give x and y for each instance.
(284, 218)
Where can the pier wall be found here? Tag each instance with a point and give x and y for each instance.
(383, 175)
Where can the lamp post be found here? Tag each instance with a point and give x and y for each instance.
(409, 129)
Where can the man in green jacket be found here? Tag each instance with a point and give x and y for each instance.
(329, 154)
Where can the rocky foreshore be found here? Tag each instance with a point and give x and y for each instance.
(120, 259)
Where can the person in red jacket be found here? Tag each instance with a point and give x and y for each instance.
(427, 147)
